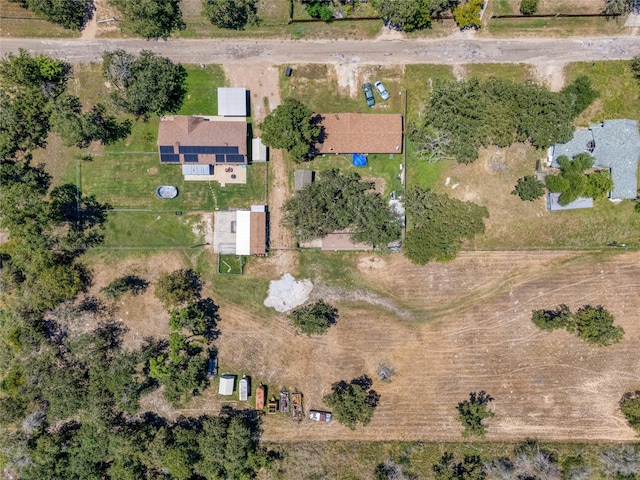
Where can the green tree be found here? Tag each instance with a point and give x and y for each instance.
(353, 402)
(315, 318)
(336, 202)
(147, 84)
(24, 123)
(617, 7)
(630, 407)
(528, 188)
(550, 320)
(573, 183)
(595, 325)
(407, 15)
(438, 225)
(178, 287)
(40, 73)
(635, 67)
(580, 93)
(121, 285)
(528, 7)
(468, 15)
(291, 126)
(150, 18)
(438, 7)
(319, 9)
(471, 413)
(232, 14)
(68, 13)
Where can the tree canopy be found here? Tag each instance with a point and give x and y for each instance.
(528, 188)
(353, 403)
(437, 225)
(630, 407)
(292, 126)
(145, 84)
(232, 14)
(572, 182)
(179, 287)
(499, 112)
(336, 202)
(68, 13)
(468, 15)
(407, 15)
(592, 324)
(471, 413)
(150, 18)
(314, 318)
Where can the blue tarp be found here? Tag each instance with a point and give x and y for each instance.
(359, 160)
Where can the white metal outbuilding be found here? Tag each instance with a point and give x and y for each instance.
(258, 150)
(232, 102)
(227, 383)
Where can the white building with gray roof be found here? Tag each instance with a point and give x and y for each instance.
(615, 144)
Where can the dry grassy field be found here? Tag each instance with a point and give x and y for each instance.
(469, 329)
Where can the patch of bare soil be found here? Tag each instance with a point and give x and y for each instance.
(106, 18)
(338, 294)
(551, 74)
(262, 82)
(143, 314)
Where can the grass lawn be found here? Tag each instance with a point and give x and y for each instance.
(130, 181)
(20, 22)
(152, 230)
(550, 7)
(619, 91)
(202, 93)
(519, 72)
(231, 264)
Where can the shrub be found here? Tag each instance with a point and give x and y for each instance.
(528, 7)
(528, 188)
(630, 406)
(315, 318)
(177, 288)
(354, 402)
(471, 413)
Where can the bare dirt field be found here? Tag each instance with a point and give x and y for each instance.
(471, 330)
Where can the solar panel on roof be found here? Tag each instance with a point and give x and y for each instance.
(206, 150)
(235, 158)
(170, 158)
(166, 148)
(191, 158)
(219, 158)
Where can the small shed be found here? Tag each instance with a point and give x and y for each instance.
(232, 102)
(258, 151)
(302, 178)
(227, 384)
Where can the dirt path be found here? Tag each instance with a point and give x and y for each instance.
(449, 50)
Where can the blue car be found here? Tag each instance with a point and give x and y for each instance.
(368, 94)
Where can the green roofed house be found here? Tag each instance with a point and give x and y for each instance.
(615, 144)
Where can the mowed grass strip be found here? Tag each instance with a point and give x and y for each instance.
(152, 230)
(130, 181)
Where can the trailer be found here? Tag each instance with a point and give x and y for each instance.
(243, 389)
(284, 402)
(272, 406)
(260, 394)
(296, 406)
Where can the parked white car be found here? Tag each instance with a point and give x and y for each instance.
(382, 91)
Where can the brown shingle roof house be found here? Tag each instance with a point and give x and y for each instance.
(202, 140)
(360, 133)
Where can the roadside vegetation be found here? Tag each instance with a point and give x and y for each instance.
(70, 14)
(150, 18)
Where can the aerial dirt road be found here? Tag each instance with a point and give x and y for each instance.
(450, 50)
